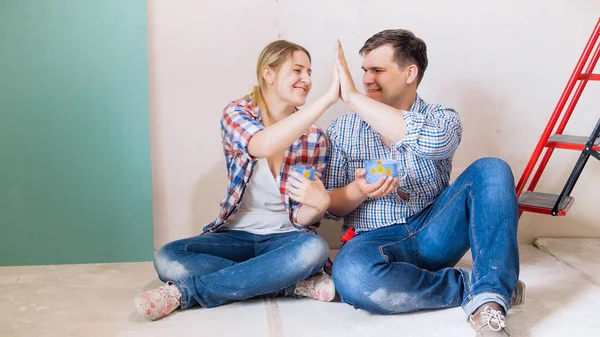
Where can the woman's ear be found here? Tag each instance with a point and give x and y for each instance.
(268, 74)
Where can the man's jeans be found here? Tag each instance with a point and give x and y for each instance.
(408, 267)
(218, 268)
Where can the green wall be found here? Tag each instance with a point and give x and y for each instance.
(75, 179)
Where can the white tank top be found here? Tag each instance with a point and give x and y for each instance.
(261, 210)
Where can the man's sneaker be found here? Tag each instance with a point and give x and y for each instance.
(320, 287)
(158, 303)
(519, 294)
(488, 322)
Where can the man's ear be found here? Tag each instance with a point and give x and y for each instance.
(412, 73)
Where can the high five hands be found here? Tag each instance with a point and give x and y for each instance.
(341, 84)
(347, 87)
(347, 90)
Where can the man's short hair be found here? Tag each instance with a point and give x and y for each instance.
(408, 49)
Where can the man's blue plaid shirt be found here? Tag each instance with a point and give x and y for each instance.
(424, 155)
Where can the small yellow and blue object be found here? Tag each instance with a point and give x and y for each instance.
(306, 170)
(378, 168)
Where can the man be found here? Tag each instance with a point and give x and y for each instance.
(411, 230)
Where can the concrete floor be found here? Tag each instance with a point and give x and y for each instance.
(97, 300)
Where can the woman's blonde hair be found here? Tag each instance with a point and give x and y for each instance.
(273, 56)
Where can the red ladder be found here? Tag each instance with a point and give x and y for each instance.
(558, 205)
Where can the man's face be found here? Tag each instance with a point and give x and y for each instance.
(383, 79)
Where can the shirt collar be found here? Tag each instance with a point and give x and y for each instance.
(417, 104)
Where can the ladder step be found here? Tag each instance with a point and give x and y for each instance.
(543, 203)
(590, 77)
(570, 142)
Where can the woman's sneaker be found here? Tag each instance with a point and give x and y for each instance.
(319, 286)
(158, 303)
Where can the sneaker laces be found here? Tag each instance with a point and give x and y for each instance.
(170, 293)
(493, 318)
(302, 288)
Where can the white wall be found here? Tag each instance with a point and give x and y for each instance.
(502, 66)
(202, 55)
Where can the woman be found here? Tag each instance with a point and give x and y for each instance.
(263, 242)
